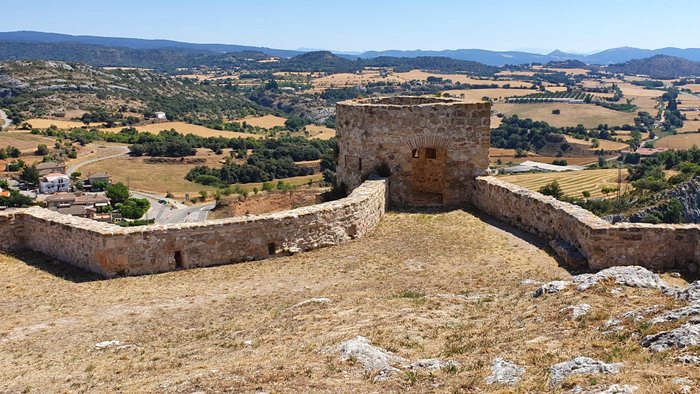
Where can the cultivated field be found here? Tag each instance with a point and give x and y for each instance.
(266, 121)
(603, 144)
(500, 93)
(421, 285)
(573, 183)
(182, 127)
(187, 128)
(571, 114)
(679, 141)
(320, 132)
(61, 124)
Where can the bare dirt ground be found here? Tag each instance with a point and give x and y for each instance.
(234, 328)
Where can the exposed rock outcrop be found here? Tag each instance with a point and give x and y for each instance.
(581, 366)
(681, 337)
(504, 372)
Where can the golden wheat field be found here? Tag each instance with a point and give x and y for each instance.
(61, 124)
(320, 132)
(498, 93)
(187, 128)
(266, 121)
(604, 144)
(571, 114)
(679, 141)
(573, 183)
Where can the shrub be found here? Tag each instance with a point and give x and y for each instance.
(552, 189)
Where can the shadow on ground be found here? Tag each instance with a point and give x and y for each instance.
(56, 268)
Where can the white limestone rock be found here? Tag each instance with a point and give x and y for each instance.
(632, 276)
(681, 337)
(677, 314)
(504, 372)
(688, 359)
(432, 364)
(372, 358)
(581, 366)
(577, 310)
(551, 287)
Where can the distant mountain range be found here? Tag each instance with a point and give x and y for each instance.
(492, 58)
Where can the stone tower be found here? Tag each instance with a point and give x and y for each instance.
(433, 147)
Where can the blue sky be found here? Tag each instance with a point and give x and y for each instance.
(357, 25)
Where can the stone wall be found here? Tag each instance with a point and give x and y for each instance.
(601, 243)
(11, 231)
(111, 250)
(400, 131)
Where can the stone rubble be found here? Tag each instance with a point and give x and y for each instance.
(612, 389)
(551, 287)
(688, 359)
(432, 364)
(683, 336)
(581, 366)
(372, 358)
(691, 293)
(677, 314)
(504, 372)
(113, 344)
(319, 300)
(577, 310)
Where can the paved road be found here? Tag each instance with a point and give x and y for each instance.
(7, 123)
(169, 211)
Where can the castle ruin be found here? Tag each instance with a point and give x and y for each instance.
(433, 147)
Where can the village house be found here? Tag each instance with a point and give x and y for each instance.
(93, 181)
(160, 115)
(51, 167)
(54, 182)
(87, 205)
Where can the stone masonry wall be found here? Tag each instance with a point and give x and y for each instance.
(602, 243)
(111, 250)
(389, 130)
(11, 231)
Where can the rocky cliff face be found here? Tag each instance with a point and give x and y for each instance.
(687, 193)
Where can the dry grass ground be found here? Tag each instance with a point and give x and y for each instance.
(24, 141)
(679, 141)
(571, 114)
(231, 329)
(573, 183)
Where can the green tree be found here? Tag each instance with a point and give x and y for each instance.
(30, 175)
(42, 150)
(117, 193)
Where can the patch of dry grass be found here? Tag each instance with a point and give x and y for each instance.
(24, 141)
(190, 328)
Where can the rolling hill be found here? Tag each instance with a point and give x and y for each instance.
(659, 66)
